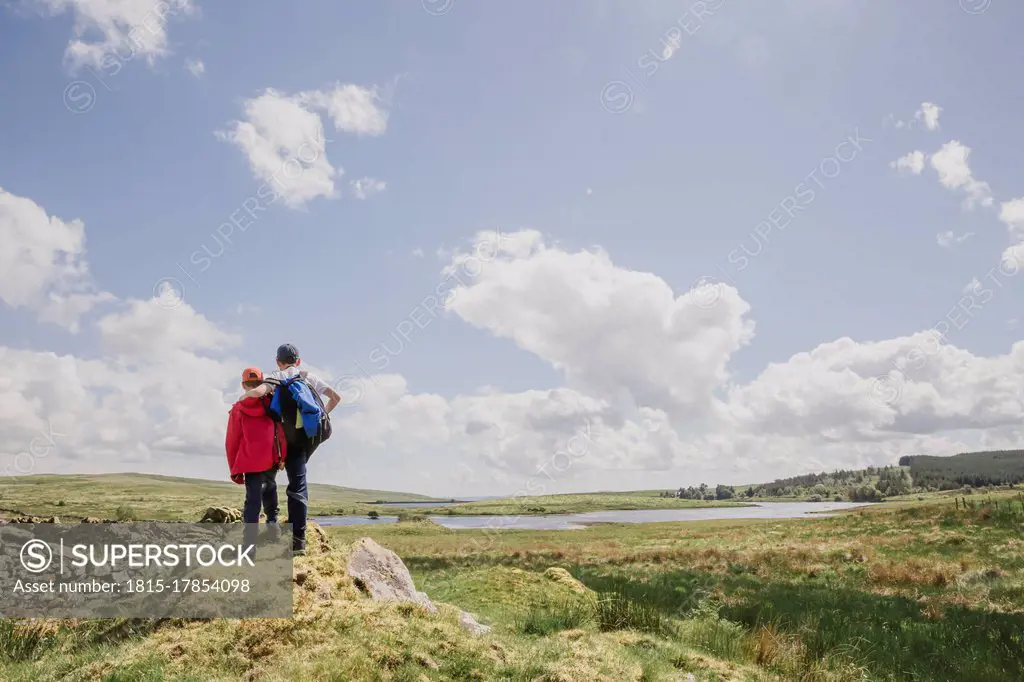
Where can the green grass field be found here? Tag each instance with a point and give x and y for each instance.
(918, 590)
(160, 498)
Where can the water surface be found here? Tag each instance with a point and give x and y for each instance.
(760, 510)
(439, 503)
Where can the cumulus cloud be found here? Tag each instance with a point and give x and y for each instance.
(1012, 214)
(141, 396)
(352, 108)
(845, 403)
(121, 30)
(911, 163)
(42, 263)
(285, 146)
(612, 330)
(67, 310)
(515, 434)
(159, 326)
(950, 162)
(644, 385)
(105, 413)
(283, 139)
(909, 386)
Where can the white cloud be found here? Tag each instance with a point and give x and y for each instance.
(515, 433)
(634, 354)
(911, 163)
(951, 163)
(160, 326)
(42, 263)
(284, 143)
(145, 397)
(589, 191)
(354, 109)
(928, 114)
(818, 410)
(832, 392)
(948, 239)
(1012, 214)
(286, 147)
(121, 30)
(973, 286)
(390, 416)
(417, 252)
(611, 330)
(67, 309)
(646, 389)
(108, 414)
(195, 67)
(364, 188)
(1013, 258)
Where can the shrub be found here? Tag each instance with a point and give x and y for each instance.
(126, 513)
(374, 514)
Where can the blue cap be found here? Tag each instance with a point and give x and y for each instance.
(287, 354)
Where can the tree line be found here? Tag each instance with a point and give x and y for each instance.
(994, 467)
(913, 474)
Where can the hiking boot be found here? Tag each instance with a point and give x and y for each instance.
(299, 546)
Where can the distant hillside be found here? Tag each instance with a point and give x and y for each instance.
(913, 474)
(997, 467)
(153, 497)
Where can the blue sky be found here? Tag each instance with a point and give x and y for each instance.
(495, 119)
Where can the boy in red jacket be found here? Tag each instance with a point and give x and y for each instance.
(256, 450)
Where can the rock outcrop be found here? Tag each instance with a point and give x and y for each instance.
(382, 575)
(468, 622)
(221, 515)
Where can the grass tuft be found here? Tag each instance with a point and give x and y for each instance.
(567, 614)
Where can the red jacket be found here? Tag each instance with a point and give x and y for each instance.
(251, 445)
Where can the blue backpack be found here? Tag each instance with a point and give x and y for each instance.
(301, 412)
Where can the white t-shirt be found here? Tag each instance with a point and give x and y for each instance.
(314, 382)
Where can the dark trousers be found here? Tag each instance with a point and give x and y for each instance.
(298, 493)
(260, 491)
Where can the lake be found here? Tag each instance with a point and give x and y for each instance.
(413, 505)
(761, 510)
(441, 503)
